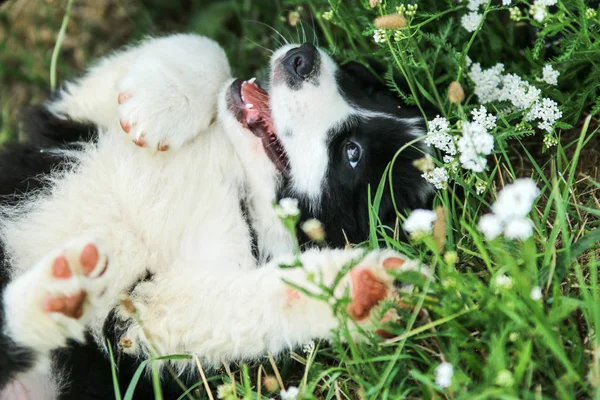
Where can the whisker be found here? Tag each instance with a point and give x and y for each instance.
(256, 44)
(303, 32)
(271, 28)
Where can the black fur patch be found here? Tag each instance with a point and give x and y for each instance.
(344, 203)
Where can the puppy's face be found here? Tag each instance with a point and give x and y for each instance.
(332, 132)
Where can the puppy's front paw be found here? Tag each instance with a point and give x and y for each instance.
(372, 283)
(53, 302)
(157, 109)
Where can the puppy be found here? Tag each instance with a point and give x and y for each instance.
(171, 204)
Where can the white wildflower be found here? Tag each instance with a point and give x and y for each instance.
(481, 116)
(519, 92)
(443, 374)
(538, 11)
(550, 75)
(510, 212)
(225, 391)
(491, 226)
(518, 228)
(516, 200)
(590, 13)
(420, 222)
(328, 15)
(506, 2)
(314, 229)
(536, 293)
(547, 3)
(379, 36)
(287, 208)
(480, 187)
(438, 177)
(504, 282)
(486, 81)
(439, 137)
(471, 21)
(309, 347)
(505, 378)
(290, 394)
(474, 5)
(474, 145)
(448, 159)
(547, 111)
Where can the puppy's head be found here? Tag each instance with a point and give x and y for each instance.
(332, 132)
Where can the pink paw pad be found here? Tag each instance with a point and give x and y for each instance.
(367, 291)
(393, 263)
(60, 268)
(70, 306)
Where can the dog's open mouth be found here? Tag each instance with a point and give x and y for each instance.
(250, 105)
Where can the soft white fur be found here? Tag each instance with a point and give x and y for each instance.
(175, 214)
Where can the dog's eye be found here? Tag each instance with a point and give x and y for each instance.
(354, 153)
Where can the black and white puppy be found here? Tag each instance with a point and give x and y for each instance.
(178, 213)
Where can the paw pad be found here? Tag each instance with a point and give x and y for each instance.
(60, 268)
(367, 291)
(70, 306)
(393, 263)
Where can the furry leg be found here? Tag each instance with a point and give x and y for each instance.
(230, 316)
(163, 91)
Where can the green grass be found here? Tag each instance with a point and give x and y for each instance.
(501, 343)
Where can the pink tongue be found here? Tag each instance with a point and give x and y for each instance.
(252, 115)
(260, 110)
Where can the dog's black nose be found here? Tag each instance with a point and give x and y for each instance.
(301, 60)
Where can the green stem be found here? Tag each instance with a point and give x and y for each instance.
(58, 45)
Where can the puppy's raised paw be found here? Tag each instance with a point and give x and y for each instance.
(373, 281)
(53, 301)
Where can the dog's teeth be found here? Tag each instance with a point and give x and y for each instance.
(251, 80)
(249, 105)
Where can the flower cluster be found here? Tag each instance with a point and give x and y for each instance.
(474, 145)
(308, 348)
(408, 10)
(328, 15)
(550, 75)
(471, 21)
(439, 136)
(419, 223)
(546, 111)
(443, 374)
(515, 14)
(503, 282)
(509, 212)
(492, 85)
(438, 177)
(539, 9)
(482, 117)
(290, 394)
(379, 36)
(287, 207)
